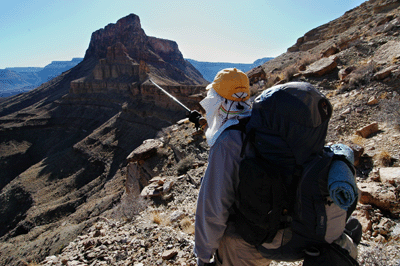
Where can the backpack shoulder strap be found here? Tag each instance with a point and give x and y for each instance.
(241, 126)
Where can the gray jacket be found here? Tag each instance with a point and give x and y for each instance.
(217, 193)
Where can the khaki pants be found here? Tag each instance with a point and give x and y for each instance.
(234, 251)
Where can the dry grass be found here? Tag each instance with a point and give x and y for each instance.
(384, 158)
(159, 218)
(289, 72)
(187, 226)
(155, 217)
(361, 76)
(308, 59)
(286, 74)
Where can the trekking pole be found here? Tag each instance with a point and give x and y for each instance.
(172, 97)
(194, 116)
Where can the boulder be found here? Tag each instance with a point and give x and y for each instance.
(321, 67)
(157, 187)
(330, 51)
(169, 254)
(384, 73)
(387, 52)
(358, 152)
(390, 175)
(364, 217)
(145, 151)
(151, 191)
(256, 74)
(368, 130)
(372, 101)
(379, 195)
(158, 180)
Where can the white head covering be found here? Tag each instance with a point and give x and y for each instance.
(222, 113)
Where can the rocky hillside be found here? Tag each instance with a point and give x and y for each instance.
(63, 145)
(140, 211)
(354, 61)
(155, 226)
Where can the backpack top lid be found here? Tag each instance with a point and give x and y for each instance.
(297, 114)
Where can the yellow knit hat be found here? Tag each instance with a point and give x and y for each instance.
(232, 84)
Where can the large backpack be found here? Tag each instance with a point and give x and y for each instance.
(284, 179)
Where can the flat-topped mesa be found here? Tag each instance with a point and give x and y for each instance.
(125, 58)
(162, 57)
(120, 74)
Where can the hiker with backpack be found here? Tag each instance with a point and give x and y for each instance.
(271, 190)
(227, 101)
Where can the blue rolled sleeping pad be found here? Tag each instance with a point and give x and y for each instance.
(341, 180)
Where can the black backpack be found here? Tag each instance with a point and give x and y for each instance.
(283, 181)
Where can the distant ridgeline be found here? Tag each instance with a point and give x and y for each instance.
(14, 80)
(210, 69)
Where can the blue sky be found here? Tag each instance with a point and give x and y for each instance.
(36, 32)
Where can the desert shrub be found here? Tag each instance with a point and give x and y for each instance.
(384, 158)
(159, 218)
(184, 165)
(187, 226)
(308, 59)
(285, 75)
(289, 72)
(361, 76)
(156, 217)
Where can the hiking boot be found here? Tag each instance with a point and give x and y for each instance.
(354, 230)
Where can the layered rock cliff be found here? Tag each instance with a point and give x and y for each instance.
(162, 56)
(63, 145)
